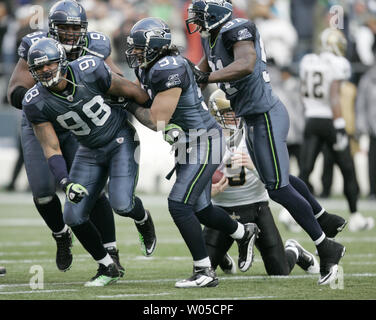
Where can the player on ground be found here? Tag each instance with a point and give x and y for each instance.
(241, 193)
(321, 77)
(235, 59)
(72, 96)
(67, 24)
(179, 110)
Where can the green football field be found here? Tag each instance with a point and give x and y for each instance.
(27, 250)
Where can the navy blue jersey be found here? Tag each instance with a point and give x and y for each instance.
(253, 93)
(174, 72)
(96, 44)
(84, 111)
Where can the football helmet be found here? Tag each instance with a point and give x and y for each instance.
(146, 42)
(221, 110)
(44, 52)
(208, 15)
(334, 41)
(68, 13)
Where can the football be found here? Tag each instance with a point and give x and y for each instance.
(217, 176)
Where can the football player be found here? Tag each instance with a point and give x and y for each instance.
(246, 200)
(179, 110)
(67, 24)
(321, 77)
(71, 95)
(235, 59)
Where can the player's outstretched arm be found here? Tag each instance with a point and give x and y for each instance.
(20, 81)
(122, 87)
(244, 62)
(161, 111)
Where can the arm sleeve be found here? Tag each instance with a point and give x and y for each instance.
(33, 112)
(100, 76)
(163, 80)
(243, 32)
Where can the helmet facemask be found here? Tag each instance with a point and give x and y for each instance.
(48, 78)
(72, 41)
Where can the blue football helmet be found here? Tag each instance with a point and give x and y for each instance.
(149, 36)
(47, 51)
(208, 15)
(68, 13)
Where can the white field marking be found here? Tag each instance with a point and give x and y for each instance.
(20, 244)
(38, 260)
(21, 222)
(242, 298)
(38, 291)
(362, 262)
(28, 253)
(355, 275)
(136, 295)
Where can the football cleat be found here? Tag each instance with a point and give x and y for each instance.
(330, 253)
(64, 243)
(228, 264)
(246, 246)
(331, 224)
(202, 277)
(114, 253)
(105, 276)
(146, 232)
(3, 271)
(306, 260)
(357, 222)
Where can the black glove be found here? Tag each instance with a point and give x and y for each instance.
(200, 76)
(74, 192)
(342, 139)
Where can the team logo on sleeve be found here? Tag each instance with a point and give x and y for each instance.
(173, 80)
(21, 50)
(244, 34)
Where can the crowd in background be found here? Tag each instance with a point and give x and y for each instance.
(289, 29)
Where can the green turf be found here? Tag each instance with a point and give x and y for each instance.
(26, 242)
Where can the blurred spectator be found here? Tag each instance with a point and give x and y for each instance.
(279, 35)
(287, 87)
(366, 121)
(302, 18)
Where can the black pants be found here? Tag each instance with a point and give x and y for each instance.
(319, 132)
(269, 242)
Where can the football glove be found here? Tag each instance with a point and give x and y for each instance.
(342, 139)
(75, 192)
(172, 133)
(200, 76)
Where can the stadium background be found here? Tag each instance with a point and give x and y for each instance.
(289, 28)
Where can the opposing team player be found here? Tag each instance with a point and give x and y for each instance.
(72, 96)
(246, 200)
(321, 76)
(179, 110)
(67, 24)
(235, 59)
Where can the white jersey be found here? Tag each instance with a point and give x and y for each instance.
(317, 72)
(245, 186)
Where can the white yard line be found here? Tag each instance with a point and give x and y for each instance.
(242, 298)
(241, 278)
(38, 291)
(136, 295)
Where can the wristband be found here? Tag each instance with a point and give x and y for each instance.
(58, 168)
(17, 96)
